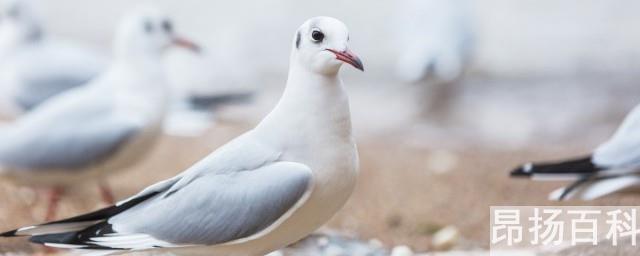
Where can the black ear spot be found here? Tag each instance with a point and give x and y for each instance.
(148, 27)
(298, 40)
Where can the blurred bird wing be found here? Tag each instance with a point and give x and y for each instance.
(623, 149)
(66, 135)
(50, 68)
(213, 209)
(37, 88)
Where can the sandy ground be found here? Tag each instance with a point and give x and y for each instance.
(417, 174)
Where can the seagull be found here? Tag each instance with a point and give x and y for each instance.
(612, 167)
(93, 130)
(436, 44)
(436, 38)
(265, 189)
(201, 85)
(33, 65)
(194, 82)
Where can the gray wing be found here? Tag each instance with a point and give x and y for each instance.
(51, 67)
(36, 90)
(68, 133)
(213, 209)
(623, 149)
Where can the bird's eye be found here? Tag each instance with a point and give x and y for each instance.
(167, 26)
(148, 27)
(317, 36)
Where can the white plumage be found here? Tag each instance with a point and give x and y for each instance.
(263, 190)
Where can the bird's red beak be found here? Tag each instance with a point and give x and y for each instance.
(187, 44)
(348, 57)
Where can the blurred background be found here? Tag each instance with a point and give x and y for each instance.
(545, 79)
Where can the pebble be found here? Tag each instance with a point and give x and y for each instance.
(335, 244)
(375, 243)
(441, 161)
(334, 250)
(445, 238)
(323, 241)
(401, 250)
(27, 195)
(276, 253)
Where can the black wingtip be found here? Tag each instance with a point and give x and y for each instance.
(523, 171)
(582, 166)
(11, 233)
(61, 238)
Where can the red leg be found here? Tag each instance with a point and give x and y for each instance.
(54, 197)
(49, 250)
(105, 192)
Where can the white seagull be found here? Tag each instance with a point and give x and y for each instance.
(612, 167)
(35, 66)
(104, 126)
(200, 85)
(436, 38)
(263, 190)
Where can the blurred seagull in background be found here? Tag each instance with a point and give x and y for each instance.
(107, 125)
(436, 40)
(200, 85)
(612, 167)
(33, 65)
(263, 190)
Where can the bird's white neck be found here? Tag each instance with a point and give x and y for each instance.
(314, 106)
(140, 86)
(11, 38)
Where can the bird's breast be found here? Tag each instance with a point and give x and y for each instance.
(335, 170)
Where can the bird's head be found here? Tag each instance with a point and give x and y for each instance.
(148, 31)
(321, 44)
(19, 22)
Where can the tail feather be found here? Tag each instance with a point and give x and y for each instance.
(57, 238)
(48, 228)
(76, 223)
(581, 166)
(596, 187)
(569, 189)
(76, 239)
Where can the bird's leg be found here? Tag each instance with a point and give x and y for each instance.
(105, 192)
(439, 100)
(54, 198)
(49, 250)
(46, 251)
